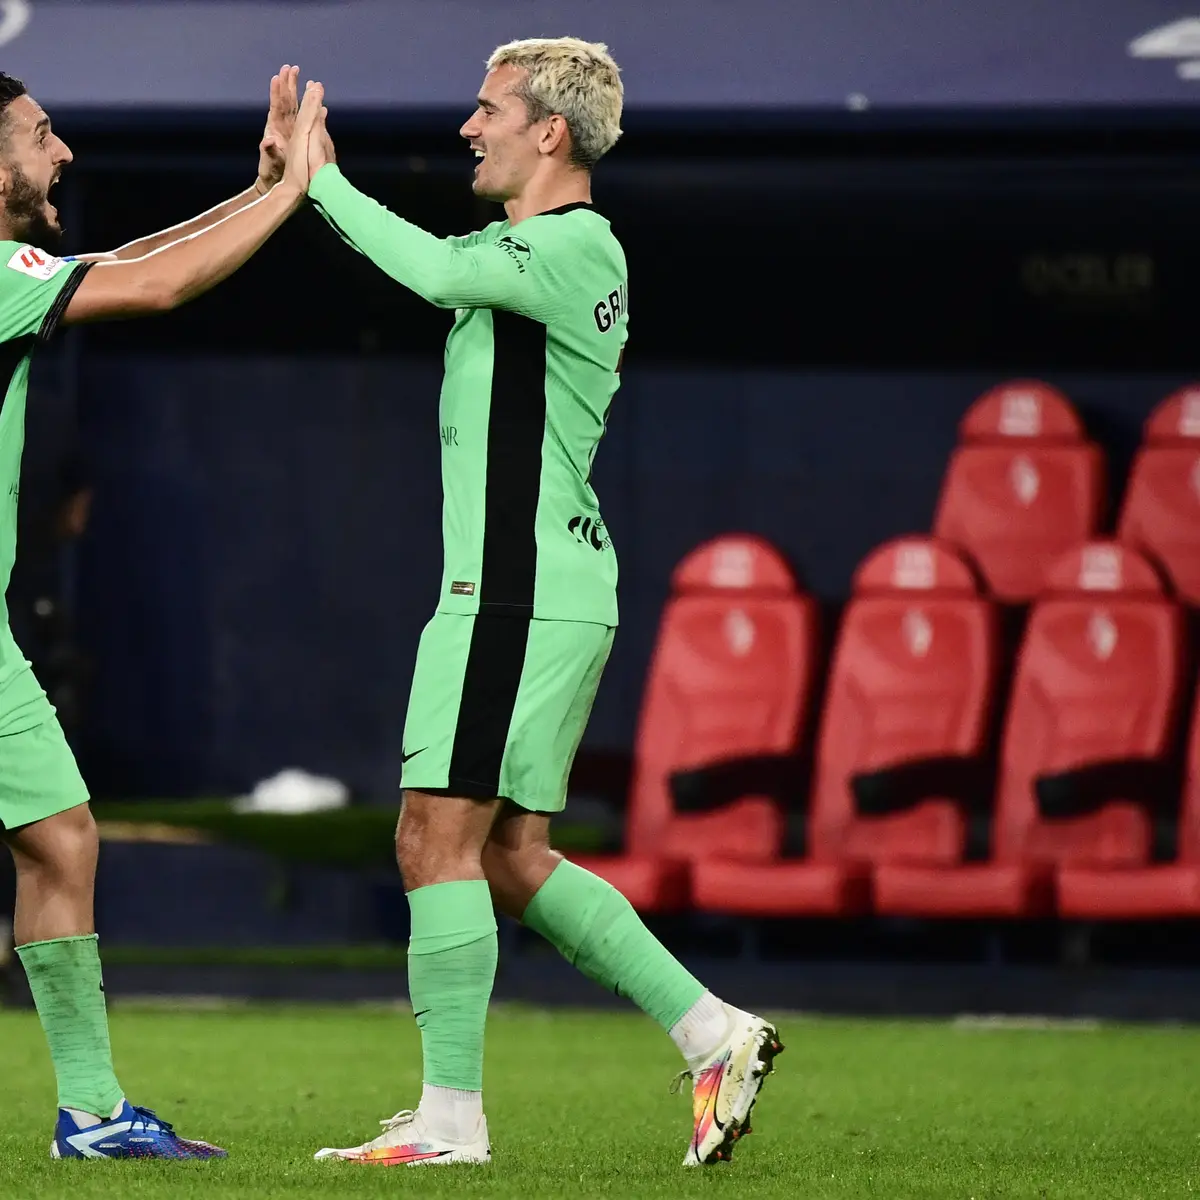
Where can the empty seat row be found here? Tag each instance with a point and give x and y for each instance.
(930, 790)
(730, 681)
(1025, 484)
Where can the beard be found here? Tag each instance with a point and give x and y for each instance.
(26, 213)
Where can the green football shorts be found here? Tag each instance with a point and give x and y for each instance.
(499, 705)
(38, 775)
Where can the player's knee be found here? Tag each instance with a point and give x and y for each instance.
(432, 847)
(501, 868)
(410, 840)
(497, 866)
(509, 862)
(76, 843)
(515, 873)
(61, 848)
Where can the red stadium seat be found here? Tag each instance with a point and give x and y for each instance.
(730, 679)
(1022, 488)
(1161, 512)
(1097, 686)
(912, 682)
(1153, 891)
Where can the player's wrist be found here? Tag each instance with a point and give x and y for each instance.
(261, 186)
(322, 177)
(288, 193)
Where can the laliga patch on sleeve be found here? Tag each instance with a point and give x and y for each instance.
(37, 264)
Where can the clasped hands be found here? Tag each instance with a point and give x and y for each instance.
(295, 143)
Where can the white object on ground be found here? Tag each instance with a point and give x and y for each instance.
(294, 791)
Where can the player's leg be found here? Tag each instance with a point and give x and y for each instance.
(597, 930)
(49, 829)
(462, 698)
(727, 1051)
(54, 935)
(452, 952)
(451, 967)
(586, 919)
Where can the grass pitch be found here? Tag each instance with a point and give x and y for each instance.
(578, 1105)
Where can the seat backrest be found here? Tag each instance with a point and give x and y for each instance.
(1189, 808)
(1097, 679)
(913, 677)
(1023, 486)
(1161, 512)
(730, 677)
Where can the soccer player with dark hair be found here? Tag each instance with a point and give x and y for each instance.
(44, 815)
(508, 667)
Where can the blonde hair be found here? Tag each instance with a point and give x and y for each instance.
(576, 79)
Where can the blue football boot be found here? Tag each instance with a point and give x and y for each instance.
(132, 1132)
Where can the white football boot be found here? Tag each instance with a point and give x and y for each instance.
(406, 1141)
(726, 1085)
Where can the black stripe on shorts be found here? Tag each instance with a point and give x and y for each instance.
(495, 663)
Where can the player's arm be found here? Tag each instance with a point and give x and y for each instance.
(206, 220)
(272, 152)
(183, 270)
(442, 271)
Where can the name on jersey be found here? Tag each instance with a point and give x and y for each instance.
(37, 264)
(608, 311)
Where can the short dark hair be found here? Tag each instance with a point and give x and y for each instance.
(11, 89)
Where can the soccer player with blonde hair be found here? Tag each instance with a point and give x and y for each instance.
(508, 666)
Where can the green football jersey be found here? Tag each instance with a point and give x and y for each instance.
(35, 289)
(531, 367)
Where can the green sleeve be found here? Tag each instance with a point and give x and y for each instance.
(516, 273)
(473, 239)
(35, 289)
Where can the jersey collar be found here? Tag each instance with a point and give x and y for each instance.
(564, 208)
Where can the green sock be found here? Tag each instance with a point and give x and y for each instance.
(64, 976)
(451, 968)
(595, 928)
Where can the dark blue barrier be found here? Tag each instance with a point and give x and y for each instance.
(265, 546)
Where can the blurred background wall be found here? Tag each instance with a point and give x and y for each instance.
(842, 224)
(843, 221)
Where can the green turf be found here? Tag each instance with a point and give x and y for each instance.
(355, 837)
(579, 1106)
(364, 957)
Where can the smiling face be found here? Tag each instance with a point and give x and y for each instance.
(32, 158)
(508, 145)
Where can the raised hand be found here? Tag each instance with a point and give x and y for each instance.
(297, 172)
(320, 145)
(281, 122)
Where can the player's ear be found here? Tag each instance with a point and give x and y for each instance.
(554, 135)
(5, 180)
